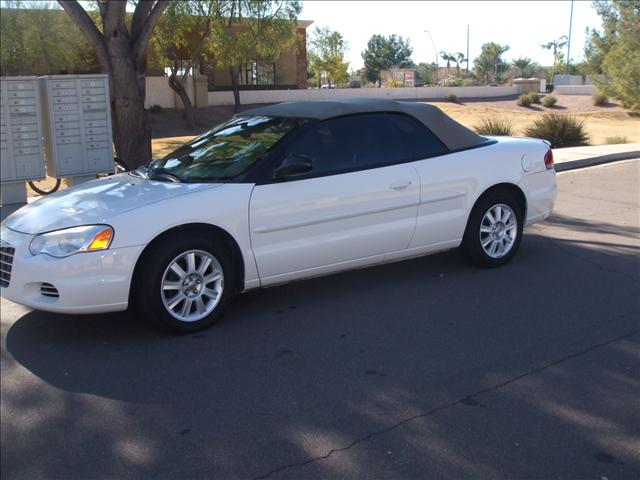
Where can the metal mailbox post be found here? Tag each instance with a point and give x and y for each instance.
(21, 150)
(77, 125)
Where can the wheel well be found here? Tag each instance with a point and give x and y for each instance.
(229, 241)
(514, 190)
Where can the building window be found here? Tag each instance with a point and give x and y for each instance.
(257, 73)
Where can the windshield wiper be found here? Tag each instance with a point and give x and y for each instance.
(163, 173)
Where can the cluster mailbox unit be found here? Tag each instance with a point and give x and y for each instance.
(61, 120)
(77, 125)
(21, 151)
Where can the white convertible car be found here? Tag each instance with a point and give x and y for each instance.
(276, 194)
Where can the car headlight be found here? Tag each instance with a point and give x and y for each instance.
(65, 242)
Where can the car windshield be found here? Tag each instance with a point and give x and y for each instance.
(226, 152)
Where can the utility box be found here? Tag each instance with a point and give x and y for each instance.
(77, 124)
(21, 150)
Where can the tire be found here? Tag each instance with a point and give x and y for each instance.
(157, 279)
(504, 236)
(40, 188)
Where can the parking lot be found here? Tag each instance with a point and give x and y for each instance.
(427, 368)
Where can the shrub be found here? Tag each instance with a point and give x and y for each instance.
(452, 82)
(560, 129)
(535, 98)
(451, 97)
(549, 101)
(600, 100)
(616, 139)
(156, 108)
(491, 126)
(524, 100)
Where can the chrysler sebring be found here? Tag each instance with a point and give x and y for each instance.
(276, 194)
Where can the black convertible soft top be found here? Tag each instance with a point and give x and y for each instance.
(452, 134)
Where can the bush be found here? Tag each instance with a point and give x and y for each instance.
(491, 126)
(451, 97)
(600, 100)
(549, 101)
(560, 129)
(535, 98)
(452, 82)
(156, 109)
(524, 101)
(616, 139)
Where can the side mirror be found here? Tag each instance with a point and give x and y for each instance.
(292, 166)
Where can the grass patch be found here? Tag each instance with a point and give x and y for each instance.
(616, 140)
(495, 127)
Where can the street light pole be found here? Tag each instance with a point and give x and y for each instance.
(569, 39)
(435, 51)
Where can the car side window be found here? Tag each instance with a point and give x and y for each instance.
(416, 141)
(355, 142)
(363, 141)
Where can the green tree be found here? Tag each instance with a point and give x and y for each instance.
(489, 63)
(523, 64)
(383, 53)
(458, 58)
(326, 57)
(448, 57)
(615, 53)
(39, 39)
(244, 30)
(424, 71)
(556, 46)
(180, 41)
(120, 42)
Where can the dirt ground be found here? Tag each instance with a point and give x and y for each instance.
(170, 131)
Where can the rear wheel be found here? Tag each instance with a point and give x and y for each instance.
(184, 282)
(494, 230)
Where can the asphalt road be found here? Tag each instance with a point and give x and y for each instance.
(422, 369)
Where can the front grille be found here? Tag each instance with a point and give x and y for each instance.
(6, 261)
(48, 290)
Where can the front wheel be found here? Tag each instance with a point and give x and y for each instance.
(184, 282)
(494, 230)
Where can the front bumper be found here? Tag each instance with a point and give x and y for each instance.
(88, 282)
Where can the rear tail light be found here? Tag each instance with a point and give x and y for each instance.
(548, 160)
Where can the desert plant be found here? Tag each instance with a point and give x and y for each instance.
(600, 100)
(535, 98)
(549, 101)
(524, 100)
(616, 139)
(492, 126)
(561, 130)
(451, 97)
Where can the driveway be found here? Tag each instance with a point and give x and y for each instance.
(422, 369)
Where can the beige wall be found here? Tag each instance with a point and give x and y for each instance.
(248, 97)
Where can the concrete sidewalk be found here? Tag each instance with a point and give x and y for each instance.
(581, 157)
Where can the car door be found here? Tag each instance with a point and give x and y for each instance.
(357, 203)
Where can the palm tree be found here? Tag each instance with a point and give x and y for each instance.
(458, 58)
(448, 57)
(495, 51)
(522, 64)
(555, 45)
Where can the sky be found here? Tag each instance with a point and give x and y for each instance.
(523, 25)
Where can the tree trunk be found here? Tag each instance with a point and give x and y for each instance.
(132, 131)
(178, 87)
(235, 84)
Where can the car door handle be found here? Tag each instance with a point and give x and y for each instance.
(400, 185)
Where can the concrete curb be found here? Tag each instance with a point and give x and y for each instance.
(593, 161)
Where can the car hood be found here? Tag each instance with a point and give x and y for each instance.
(95, 202)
